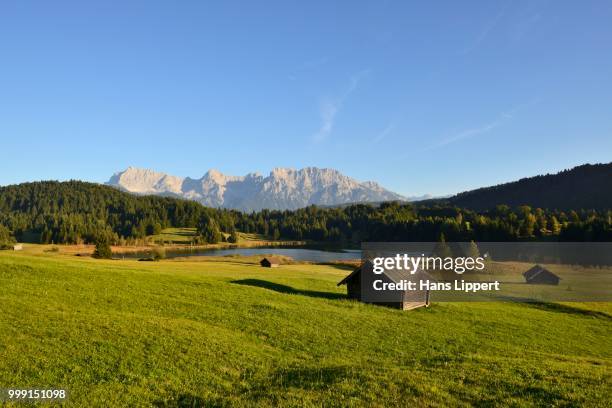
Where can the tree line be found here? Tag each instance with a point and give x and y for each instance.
(78, 212)
(406, 222)
(586, 186)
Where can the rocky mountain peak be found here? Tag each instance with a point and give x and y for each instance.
(284, 188)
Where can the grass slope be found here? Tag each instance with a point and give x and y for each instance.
(229, 333)
(183, 236)
(186, 236)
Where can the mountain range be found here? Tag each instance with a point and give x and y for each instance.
(282, 189)
(586, 186)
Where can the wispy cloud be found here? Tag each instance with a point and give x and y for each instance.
(330, 107)
(327, 110)
(485, 128)
(472, 132)
(384, 133)
(486, 30)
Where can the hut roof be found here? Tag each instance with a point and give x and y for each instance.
(349, 276)
(272, 259)
(537, 270)
(396, 275)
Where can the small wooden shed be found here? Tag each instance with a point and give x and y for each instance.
(541, 276)
(17, 247)
(404, 300)
(270, 262)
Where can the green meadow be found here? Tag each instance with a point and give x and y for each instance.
(183, 236)
(226, 332)
(187, 236)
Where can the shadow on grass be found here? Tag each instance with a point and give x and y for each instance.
(186, 401)
(309, 378)
(304, 378)
(342, 266)
(328, 386)
(558, 307)
(528, 396)
(277, 287)
(181, 233)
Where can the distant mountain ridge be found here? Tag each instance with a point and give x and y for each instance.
(282, 189)
(584, 187)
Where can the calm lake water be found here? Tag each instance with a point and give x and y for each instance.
(299, 254)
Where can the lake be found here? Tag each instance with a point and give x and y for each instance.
(299, 254)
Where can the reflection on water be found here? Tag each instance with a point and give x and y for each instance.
(299, 254)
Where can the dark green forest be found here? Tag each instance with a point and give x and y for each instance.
(586, 186)
(79, 212)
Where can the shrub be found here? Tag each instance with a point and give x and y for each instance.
(159, 253)
(209, 231)
(103, 249)
(233, 238)
(6, 238)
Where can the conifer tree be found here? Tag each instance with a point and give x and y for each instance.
(233, 238)
(103, 249)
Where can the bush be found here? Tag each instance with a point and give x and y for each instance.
(159, 253)
(233, 238)
(103, 249)
(6, 238)
(209, 231)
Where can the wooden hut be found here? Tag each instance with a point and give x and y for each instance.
(404, 300)
(270, 262)
(541, 276)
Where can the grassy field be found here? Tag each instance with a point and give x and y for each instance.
(183, 236)
(225, 332)
(186, 236)
(170, 238)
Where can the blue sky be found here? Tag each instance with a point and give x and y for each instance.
(423, 97)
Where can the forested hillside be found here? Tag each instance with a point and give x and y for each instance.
(587, 186)
(75, 211)
(405, 222)
(79, 212)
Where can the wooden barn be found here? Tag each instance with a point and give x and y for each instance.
(270, 262)
(541, 276)
(404, 300)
